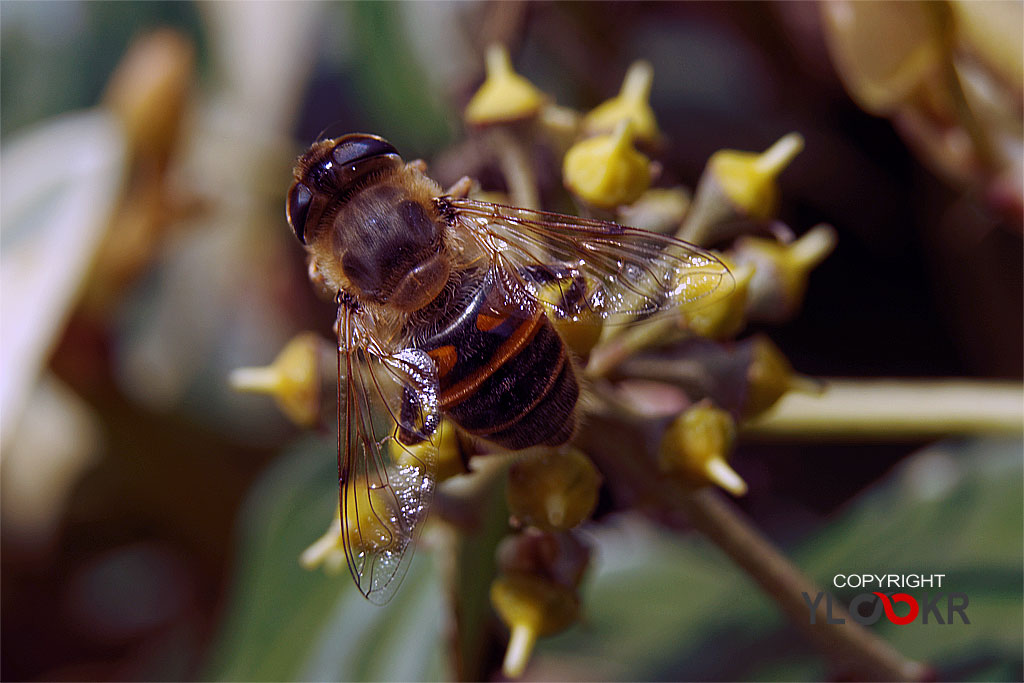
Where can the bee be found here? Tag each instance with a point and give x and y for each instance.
(444, 309)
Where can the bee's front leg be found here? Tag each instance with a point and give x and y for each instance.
(461, 188)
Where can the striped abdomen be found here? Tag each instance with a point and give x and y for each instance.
(504, 374)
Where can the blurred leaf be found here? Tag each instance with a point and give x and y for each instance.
(661, 608)
(391, 84)
(57, 56)
(60, 181)
(658, 607)
(285, 623)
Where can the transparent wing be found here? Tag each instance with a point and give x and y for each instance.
(387, 417)
(578, 266)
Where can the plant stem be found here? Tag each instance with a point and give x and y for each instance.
(891, 409)
(619, 343)
(474, 505)
(516, 166)
(853, 650)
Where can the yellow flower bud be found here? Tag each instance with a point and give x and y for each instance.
(723, 317)
(326, 551)
(579, 329)
(553, 490)
(696, 446)
(607, 170)
(580, 333)
(781, 271)
(769, 377)
(367, 517)
(505, 96)
(748, 178)
(659, 209)
(530, 606)
(450, 458)
(631, 104)
(293, 379)
(367, 521)
(561, 123)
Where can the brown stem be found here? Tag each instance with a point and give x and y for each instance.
(468, 559)
(517, 167)
(852, 649)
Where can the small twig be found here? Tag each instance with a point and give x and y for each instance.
(855, 651)
(852, 649)
(516, 166)
(622, 342)
(891, 409)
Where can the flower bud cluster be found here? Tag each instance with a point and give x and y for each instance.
(717, 382)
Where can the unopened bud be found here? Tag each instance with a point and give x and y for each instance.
(366, 516)
(696, 446)
(552, 489)
(631, 104)
(293, 379)
(530, 606)
(737, 186)
(723, 317)
(769, 376)
(606, 170)
(505, 96)
(450, 457)
(781, 271)
(748, 178)
(659, 209)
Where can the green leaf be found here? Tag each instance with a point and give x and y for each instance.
(286, 623)
(657, 606)
(661, 607)
(390, 83)
(52, 221)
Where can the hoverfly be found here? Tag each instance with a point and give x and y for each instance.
(442, 310)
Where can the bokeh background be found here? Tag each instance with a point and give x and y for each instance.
(151, 518)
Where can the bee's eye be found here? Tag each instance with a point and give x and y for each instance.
(353, 148)
(300, 198)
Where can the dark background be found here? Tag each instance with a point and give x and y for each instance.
(925, 282)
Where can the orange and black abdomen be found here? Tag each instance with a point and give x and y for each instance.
(504, 374)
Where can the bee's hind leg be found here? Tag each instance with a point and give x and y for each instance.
(410, 432)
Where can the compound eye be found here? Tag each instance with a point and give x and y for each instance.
(300, 198)
(353, 148)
